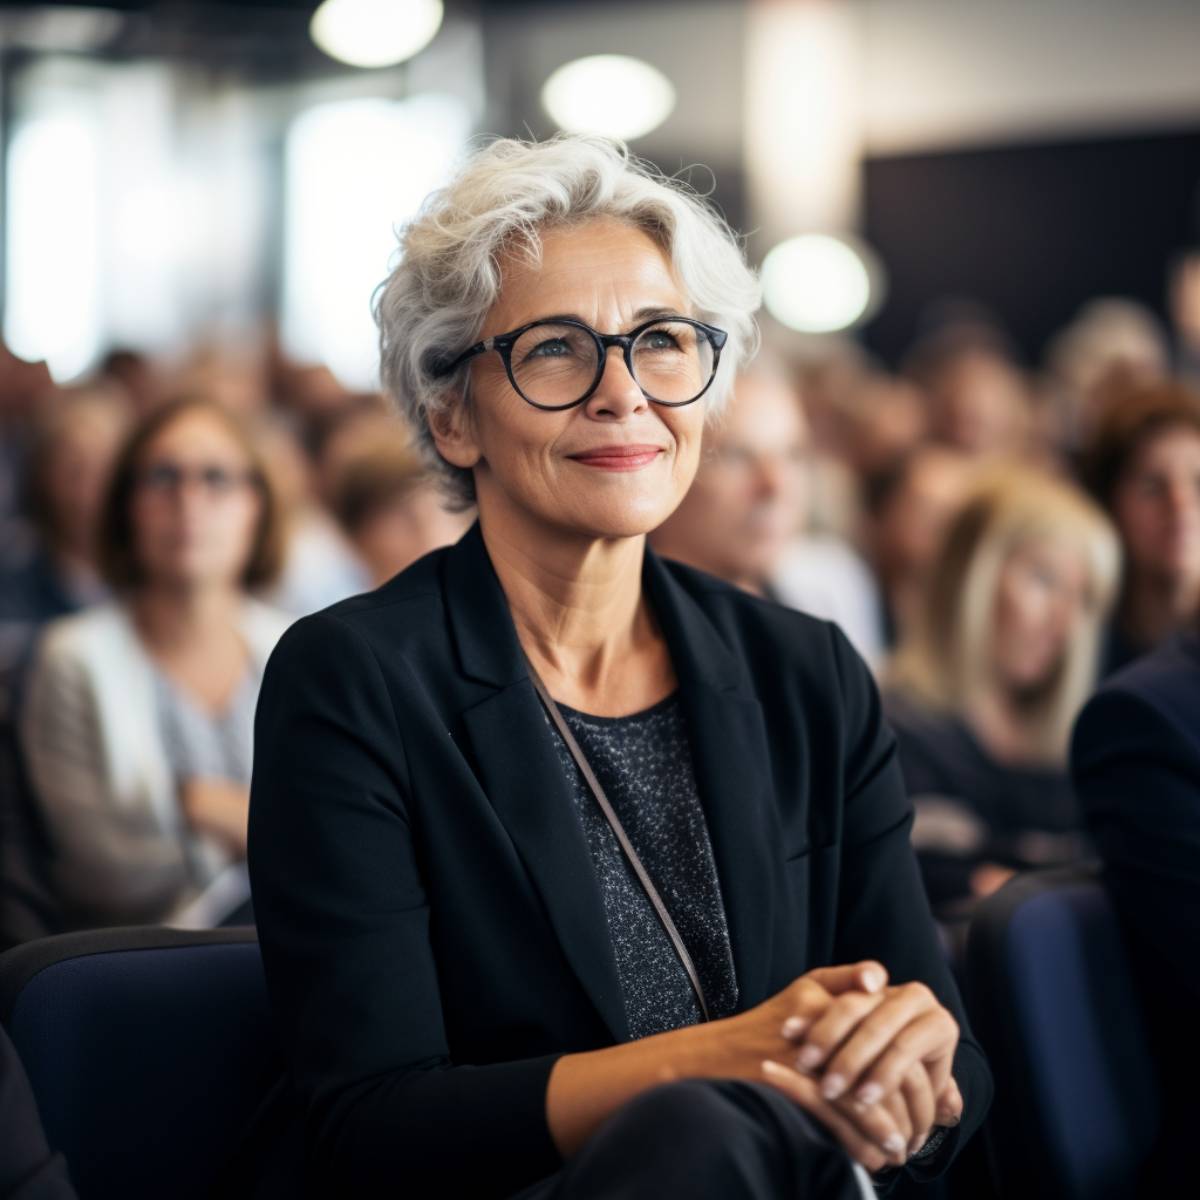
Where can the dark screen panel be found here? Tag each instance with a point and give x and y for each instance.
(1030, 231)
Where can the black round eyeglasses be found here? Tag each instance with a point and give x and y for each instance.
(558, 362)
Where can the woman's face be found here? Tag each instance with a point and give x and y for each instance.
(194, 508)
(551, 467)
(1157, 507)
(1042, 595)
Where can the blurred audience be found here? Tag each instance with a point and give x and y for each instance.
(389, 505)
(979, 400)
(1143, 465)
(48, 563)
(983, 690)
(137, 722)
(908, 506)
(745, 515)
(1112, 342)
(320, 566)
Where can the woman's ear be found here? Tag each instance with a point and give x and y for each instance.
(454, 435)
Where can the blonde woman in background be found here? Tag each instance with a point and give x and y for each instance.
(983, 691)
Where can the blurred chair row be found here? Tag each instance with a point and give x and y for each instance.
(148, 1050)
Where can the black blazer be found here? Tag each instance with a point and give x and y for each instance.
(1136, 762)
(431, 928)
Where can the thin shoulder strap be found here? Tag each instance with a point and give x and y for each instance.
(614, 822)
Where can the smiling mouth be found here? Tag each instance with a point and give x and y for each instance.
(618, 458)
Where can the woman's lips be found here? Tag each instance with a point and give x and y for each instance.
(618, 458)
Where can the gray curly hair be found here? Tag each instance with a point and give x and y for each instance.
(447, 277)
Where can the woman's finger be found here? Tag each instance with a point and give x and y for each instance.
(949, 1104)
(916, 1094)
(868, 976)
(832, 1027)
(803, 1091)
(845, 1061)
(895, 1108)
(931, 1036)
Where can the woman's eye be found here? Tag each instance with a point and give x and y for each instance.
(660, 339)
(551, 348)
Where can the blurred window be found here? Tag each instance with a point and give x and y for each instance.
(355, 172)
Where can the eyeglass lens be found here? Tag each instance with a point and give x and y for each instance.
(556, 364)
(170, 477)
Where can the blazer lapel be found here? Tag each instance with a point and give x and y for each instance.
(732, 763)
(522, 776)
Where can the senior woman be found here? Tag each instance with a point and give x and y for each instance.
(579, 873)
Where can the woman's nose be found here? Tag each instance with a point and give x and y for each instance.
(617, 395)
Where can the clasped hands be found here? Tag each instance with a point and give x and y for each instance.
(870, 1061)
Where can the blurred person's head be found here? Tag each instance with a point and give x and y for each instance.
(749, 497)
(909, 506)
(190, 505)
(1024, 579)
(979, 403)
(389, 506)
(138, 375)
(886, 419)
(1112, 343)
(75, 442)
(1143, 465)
(22, 385)
(544, 247)
(1183, 295)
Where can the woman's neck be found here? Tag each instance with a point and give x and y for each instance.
(175, 617)
(1153, 609)
(1007, 726)
(581, 616)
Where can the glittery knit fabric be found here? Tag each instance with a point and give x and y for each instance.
(644, 764)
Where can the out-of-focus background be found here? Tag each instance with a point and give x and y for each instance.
(978, 227)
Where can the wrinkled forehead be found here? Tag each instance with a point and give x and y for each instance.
(602, 271)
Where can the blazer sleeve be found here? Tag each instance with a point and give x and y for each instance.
(344, 925)
(883, 912)
(111, 861)
(1137, 774)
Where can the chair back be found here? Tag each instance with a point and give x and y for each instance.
(148, 1051)
(1052, 998)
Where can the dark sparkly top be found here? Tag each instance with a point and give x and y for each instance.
(644, 764)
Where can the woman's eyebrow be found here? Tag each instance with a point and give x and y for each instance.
(649, 313)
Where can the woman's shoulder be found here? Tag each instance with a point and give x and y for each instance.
(772, 638)
(406, 608)
(84, 634)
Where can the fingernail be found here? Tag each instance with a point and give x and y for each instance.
(770, 1067)
(793, 1027)
(832, 1086)
(915, 1145)
(870, 1093)
(809, 1057)
(872, 981)
(894, 1145)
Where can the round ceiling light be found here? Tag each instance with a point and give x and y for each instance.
(375, 33)
(610, 94)
(816, 283)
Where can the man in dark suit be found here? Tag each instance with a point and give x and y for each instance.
(1136, 762)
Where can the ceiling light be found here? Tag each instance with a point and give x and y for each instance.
(375, 33)
(609, 94)
(820, 284)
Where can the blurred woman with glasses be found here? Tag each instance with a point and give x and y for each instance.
(1002, 654)
(546, 821)
(137, 725)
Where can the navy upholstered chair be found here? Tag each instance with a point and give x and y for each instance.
(147, 1049)
(1051, 996)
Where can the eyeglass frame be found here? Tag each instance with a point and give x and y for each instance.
(503, 343)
